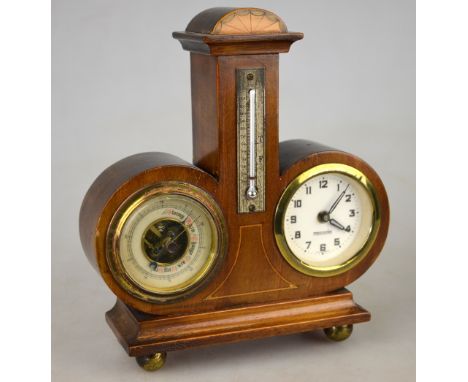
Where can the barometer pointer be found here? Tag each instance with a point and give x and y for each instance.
(181, 232)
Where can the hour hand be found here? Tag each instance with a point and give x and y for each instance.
(338, 225)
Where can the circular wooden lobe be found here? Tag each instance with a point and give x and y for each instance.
(299, 156)
(113, 188)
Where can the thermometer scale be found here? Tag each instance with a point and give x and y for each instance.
(250, 140)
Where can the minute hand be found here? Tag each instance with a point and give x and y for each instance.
(337, 201)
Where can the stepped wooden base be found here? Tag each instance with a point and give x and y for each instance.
(141, 334)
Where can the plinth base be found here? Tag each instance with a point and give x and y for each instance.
(143, 335)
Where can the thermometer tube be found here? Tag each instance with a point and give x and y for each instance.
(252, 190)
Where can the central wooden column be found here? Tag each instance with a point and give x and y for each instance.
(217, 50)
(221, 42)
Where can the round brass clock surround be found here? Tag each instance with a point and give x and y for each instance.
(279, 229)
(167, 190)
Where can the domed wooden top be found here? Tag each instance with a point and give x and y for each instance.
(236, 21)
(234, 31)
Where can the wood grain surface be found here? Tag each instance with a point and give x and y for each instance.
(141, 334)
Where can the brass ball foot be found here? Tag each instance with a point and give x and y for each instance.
(152, 362)
(339, 333)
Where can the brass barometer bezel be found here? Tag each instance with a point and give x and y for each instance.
(293, 186)
(194, 284)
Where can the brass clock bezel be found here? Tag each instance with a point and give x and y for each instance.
(194, 284)
(284, 200)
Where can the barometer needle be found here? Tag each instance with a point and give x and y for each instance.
(181, 232)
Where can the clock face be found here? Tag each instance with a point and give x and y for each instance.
(326, 220)
(166, 242)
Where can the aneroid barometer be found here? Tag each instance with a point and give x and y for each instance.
(256, 237)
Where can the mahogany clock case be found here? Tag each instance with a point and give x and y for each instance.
(171, 115)
(253, 271)
(252, 290)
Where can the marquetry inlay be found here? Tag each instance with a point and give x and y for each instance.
(249, 21)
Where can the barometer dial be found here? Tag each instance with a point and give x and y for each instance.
(327, 220)
(166, 241)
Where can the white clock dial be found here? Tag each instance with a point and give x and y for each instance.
(166, 243)
(324, 220)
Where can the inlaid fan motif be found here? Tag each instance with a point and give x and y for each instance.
(249, 21)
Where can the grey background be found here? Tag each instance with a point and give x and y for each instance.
(121, 86)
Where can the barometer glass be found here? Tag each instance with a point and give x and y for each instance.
(166, 241)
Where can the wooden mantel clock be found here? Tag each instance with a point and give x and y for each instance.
(256, 238)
